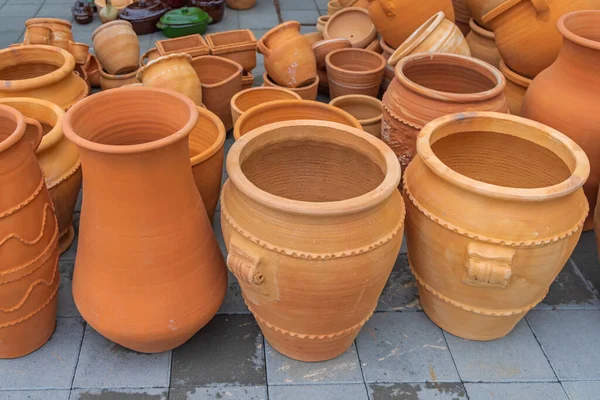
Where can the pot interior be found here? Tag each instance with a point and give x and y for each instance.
(358, 61)
(585, 25)
(246, 101)
(203, 136)
(212, 72)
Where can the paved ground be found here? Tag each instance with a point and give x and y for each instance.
(554, 353)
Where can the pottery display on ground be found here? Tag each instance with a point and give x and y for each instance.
(307, 92)
(324, 47)
(240, 4)
(237, 45)
(366, 109)
(143, 15)
(479, 8)
(148, 56)
(354, 71)
(462, 16)
(167, 246)
(516, 87)
(494, 210)
(483, 44)
(321, 22)
(184, 21)
(117, 47)
(60, 29)
(388, 72)
(246, 99)
(92, 70)
(82, 12)
(565, 95)
(428, 86)
(29, 274)
(109, 81)
(194, 45)
(352, 23)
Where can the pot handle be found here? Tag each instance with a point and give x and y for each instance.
(34, 138)
(244, 265)
(488, 265)
(388, 7)
(262, 49)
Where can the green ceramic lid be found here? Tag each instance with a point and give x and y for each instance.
(185, 16)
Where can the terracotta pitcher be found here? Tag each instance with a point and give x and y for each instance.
(494, 210)
(28, 240)
(149, 273)
(565, 96)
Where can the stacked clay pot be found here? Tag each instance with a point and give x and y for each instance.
(248, 98)
(516, 87)
(565, 96)
(351, 23)
(494, 211)
(237, 45)
(354, 71)
(321, 49)
(312, 255)
(483, 44)
(366, 109)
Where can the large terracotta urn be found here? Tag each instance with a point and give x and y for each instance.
(313, 223)
(495, 207)
(149, 272)
(28, 240)
(565, 96)
(396, 20)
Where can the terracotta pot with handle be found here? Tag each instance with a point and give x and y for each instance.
(479, 8)
(117, 47)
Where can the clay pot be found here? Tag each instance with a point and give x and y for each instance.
(565, 96)
(92, 70)
(174, 72)
(436, 35)
(117, 48)
(194, 45)
(79, 51)
(238, 45)
(38, 34)
(221, 79)
(214, 8)
(247, 80)
(511, 215)
(428, 86)
(536, 43)
(354, 71)
(28, 241)
(118, 4)
(354, 3)
(351, 23)
(167, 247)
(321, 22)
(323, 82)
(313, 37)
(333, 7)
(289, 59)
(41, 72)
(60, 29)
(462, 16)
(240, 4)
(324, 47)
(479, 8)
(388, 72)
(308, 92)
(246, 99)
(108, 81)
(366, 109)
(396, 20)
(290, 110)
(308, 207)
(483, 45)
(516, 86)
(82, 12)
(148, 56)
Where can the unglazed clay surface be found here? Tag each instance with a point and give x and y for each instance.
(117, 47)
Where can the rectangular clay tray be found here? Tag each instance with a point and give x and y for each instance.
(237, 45)
(194, 45)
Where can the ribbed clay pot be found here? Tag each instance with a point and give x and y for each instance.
(221, 79)
(148, 56)
(565, 96)
(117, 47)
(396, 20)
(285, 111)
(41, 72)
(29, 274)
(60, 30)
(366, 109)
(428, 86)
(479, 8)
(462, 16)
(483, 45)
(313, 224)
(92, 70)
(321, 22)
(237, 45)
(108, 81)
(352, 23)
(289, 59)
(240, 4)
(324, 47)
(248, 98)
(516, 87)
(354, 71)
(308, 92)
(167, 249)
(388, 72)
(494, 210)
(534, 44)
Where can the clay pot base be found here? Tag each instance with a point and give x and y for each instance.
(66, 240)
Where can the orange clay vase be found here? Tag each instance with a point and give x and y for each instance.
(149, 273)
(117, 47)
(59, 160)
(396, 20)
(494, 210)
(428, 86)
(516, 87)
(28, 240)
(565, 96)
(246, 99)
(483, 44)
(313, 223)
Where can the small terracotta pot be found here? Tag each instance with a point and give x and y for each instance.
(92, 70)
(60, 29)
(290, 110)
(194, 45)
(308, 92)
(240, 4)
(80, 52)
(246, 99)
(352, 23)
(247, 80)
(516, 87)
(108, 81)
(321, 22)
(289, 59)
(333, 7)
(483, 45)
(38, 34)
(354, 71)
(388, 73)
(324, 47)
(117, 48)
(313, 37)
(462, 16)
(366, 109)
(238, 46)
(148, 56)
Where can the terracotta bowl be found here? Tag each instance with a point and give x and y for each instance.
(308, 92)
(324, 47)
(352, 23)
(354, 71)
(366, 109)
(246, 99)
(108, 81)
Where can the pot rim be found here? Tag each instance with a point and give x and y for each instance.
(417, 37)
(108, 25)
(372, 32)
(579, 173)
(219, 142)
(480, 30)
(366, 201)
(360, 51)
(361, 98)
(147, 54)
(301, 89)
(105, 95)
(35, 21)
(140, 71)
(512, 76)
(476, 65)
(244, 92)
(18, 133)
(573, 37)
(225, 81)
(277, 28)
(128, 75)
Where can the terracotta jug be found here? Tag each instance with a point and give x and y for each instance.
(313, 224)
(483, 44)
(117, 47)
(479, 8)
(511, 215)
(428, 86)
(143, 224)
(28, 240)
(516, 87)
(396, 20)
(565, 96)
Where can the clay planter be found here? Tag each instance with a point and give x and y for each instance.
(92, 70)
(246, 99)
(60, 29)
(366, 109)
(483, 45)
(289, 59)
(79, 51)
(436, 35)
(221, 79)
(247, 80)
(479, 8)
(396, 20)
(351, 23)
(148, 56)
(194, 45)
(142, 176)
(516, 87)
(565, 96)
(536, 43)
(174, 72)
(313, 224)
(240, 4)
(238, 46)
(354, 71)
(41, 72)
(321, 22)
(117, 48)
(290, 110)
(28, 241)
(324, 47)
(333, 7)
(388, 73)
(462, 16)
(308, 92)
(108, 81)
(511, 215)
